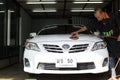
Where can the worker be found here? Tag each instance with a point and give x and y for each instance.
(109, 26)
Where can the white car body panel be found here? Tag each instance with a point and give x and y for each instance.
(97, 57)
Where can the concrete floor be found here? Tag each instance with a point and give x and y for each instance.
(16, 72)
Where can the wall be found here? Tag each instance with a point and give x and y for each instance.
(118, 7)
(81, 20)
(25, 29)
(25, 25)
(39, 23)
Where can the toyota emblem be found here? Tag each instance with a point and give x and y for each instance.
(66, 46)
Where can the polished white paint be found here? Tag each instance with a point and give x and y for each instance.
(63, 37)
(43, 56)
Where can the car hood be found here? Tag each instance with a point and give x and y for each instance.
(63, 37)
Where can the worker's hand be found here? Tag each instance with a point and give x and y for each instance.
(113, 79)
(100, 36)
(118, 38)
(110, 79)
(74, 35)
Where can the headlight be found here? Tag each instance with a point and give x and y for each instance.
(32, 46)
(99, 45)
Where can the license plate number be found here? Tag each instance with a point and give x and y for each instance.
(66, 63)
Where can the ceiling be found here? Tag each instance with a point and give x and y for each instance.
(61, 8)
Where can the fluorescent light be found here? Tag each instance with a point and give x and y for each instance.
(40, 2)
(87, 2)
(44, 11)
(1, 3)
(82, 10)
(12, 11)
(118, 10)
(4, 11)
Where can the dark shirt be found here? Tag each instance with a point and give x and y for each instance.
(107, 27)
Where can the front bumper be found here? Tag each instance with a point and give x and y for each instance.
(96, 57)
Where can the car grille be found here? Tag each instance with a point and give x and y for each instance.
(73, 49)
(53, 48)
(80, 66)
(78, 48)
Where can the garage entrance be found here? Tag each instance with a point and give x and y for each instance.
(19, 18)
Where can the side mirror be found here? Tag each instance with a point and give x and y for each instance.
(33, 34)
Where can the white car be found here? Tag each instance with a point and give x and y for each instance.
(52, 51)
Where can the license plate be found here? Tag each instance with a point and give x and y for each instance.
(66, 63)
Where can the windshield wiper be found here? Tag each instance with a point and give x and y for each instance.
(46, 29)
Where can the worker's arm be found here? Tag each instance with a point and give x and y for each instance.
(82, 29)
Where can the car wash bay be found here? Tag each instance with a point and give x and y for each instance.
(18, 18)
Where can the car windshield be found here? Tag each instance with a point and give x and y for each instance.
(60, 29)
